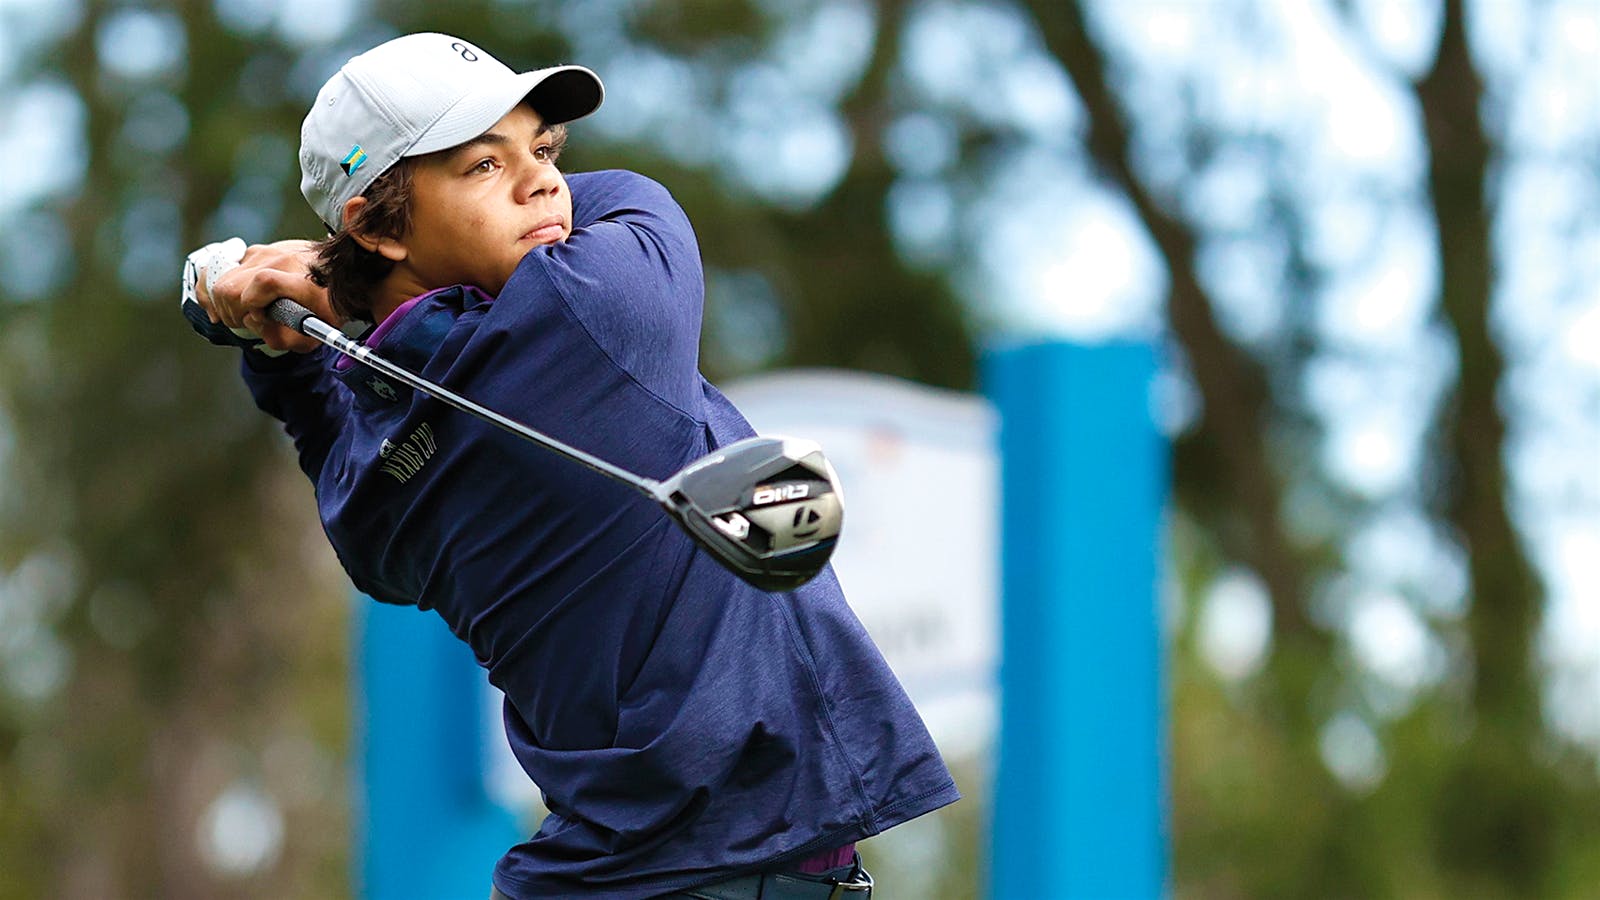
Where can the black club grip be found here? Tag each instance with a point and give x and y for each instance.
(290, 313)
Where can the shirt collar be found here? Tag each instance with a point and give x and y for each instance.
(409, 338)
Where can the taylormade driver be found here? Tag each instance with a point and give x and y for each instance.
(768, 508)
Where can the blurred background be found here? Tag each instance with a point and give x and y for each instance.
(1366, 234)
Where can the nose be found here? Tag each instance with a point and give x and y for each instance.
(536, 178)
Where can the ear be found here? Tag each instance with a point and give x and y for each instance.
(387, 247)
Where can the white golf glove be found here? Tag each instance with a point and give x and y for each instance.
(216, 260)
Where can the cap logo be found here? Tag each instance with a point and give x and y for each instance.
(465, 51)
(353, 160)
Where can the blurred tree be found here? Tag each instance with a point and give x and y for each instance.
(1474, 804)
(185, 733)
(840, 293)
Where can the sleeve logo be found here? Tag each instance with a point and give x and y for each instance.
(405, 459)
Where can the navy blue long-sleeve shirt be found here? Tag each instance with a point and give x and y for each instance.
(683, 726)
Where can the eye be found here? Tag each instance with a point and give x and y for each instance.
(482, 166)
(549, 151)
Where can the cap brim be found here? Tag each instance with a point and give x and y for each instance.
(566, 93)
(558, 94)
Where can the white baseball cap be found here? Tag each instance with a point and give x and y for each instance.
(417, 94)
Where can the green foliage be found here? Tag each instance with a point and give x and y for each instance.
(731, 27)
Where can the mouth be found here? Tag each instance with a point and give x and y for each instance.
(548, 231)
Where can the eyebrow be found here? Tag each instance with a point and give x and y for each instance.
(492, 139)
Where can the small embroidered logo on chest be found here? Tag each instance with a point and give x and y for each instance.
(407, 458)
(381, 388)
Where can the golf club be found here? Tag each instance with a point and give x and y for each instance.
(768, 508)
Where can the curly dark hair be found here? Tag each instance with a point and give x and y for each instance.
(350, 271)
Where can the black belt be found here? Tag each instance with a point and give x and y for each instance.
(855, 885)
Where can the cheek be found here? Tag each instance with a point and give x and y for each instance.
(462, 239)
(463, 221)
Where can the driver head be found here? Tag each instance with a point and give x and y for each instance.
(768, 508)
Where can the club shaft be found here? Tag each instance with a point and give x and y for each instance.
(300, 319)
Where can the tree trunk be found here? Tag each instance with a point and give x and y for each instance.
(1493, 821)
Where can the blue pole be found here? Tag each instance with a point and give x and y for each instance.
(1079, 800)
(426, 824)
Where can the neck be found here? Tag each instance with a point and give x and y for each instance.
(396, 288)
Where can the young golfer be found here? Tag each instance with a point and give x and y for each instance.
(693, 736)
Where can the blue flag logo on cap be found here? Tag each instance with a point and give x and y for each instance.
(353, 160)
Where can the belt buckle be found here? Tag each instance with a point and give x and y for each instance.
(860, 883)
